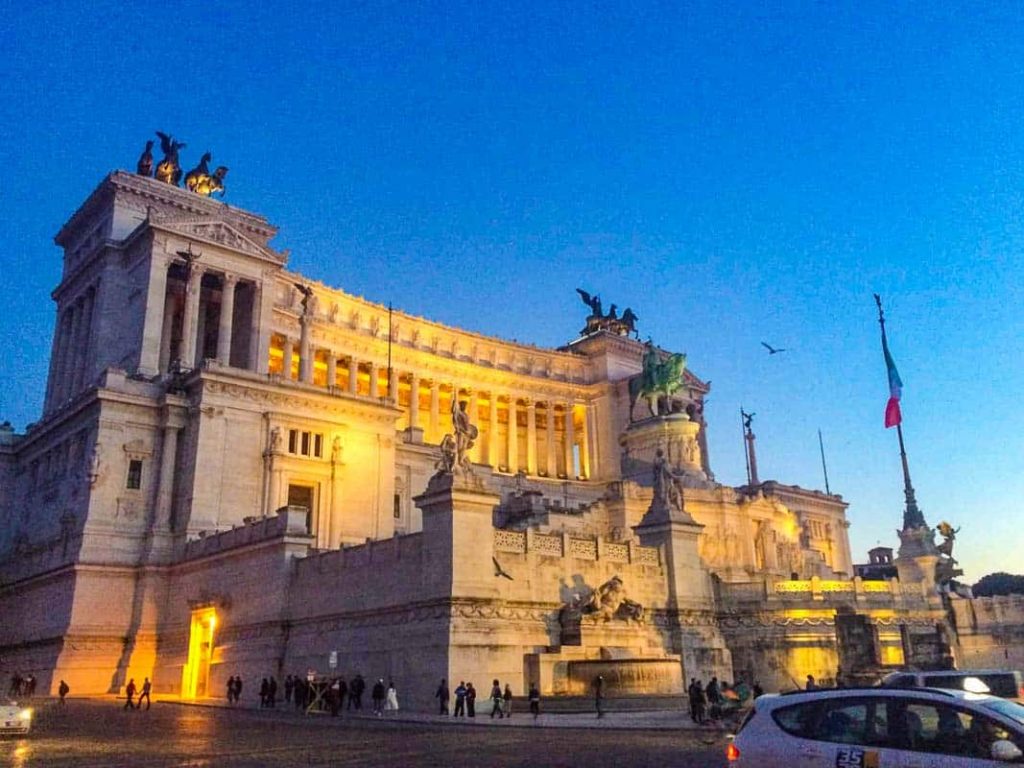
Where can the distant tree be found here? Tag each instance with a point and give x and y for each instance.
(999, 584)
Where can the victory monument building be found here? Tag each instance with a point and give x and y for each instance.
(240, 471)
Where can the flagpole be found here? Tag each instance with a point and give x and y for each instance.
(824, 468)
(912, 517)
(746, 452)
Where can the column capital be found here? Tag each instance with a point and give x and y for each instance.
(230, 278)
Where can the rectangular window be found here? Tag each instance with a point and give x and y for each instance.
(398, 506)
(134, 474)
(301, 443)
(318, 445)
(305, 444)
(293, 441)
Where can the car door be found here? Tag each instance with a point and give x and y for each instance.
(849, 732)
(931, 734)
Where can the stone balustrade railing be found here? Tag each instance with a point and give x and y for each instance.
(290, 521)
(816, 589)
(566, 545)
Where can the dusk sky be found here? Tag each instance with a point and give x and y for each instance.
(734, 173)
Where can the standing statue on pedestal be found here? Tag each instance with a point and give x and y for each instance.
(145, 165)
(455, 446)
(668, 490)
(168, 170)
(659, 379)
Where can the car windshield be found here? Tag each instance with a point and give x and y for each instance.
(1006, 708)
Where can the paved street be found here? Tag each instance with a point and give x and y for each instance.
(99, 733)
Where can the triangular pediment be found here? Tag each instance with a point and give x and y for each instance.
(218, 232)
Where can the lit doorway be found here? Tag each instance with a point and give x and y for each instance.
(195, 677)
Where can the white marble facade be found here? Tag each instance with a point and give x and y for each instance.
(195, 390)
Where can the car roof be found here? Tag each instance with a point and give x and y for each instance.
(771, 701)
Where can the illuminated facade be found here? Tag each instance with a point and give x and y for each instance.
(231, 477)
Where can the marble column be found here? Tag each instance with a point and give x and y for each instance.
(227, 313)
(414, 400)
(585, 443)
(374, 380)
(287, 351)
(531, 437)
(353, 376)
(393, 385)
(60, 342)
(190, 321)
(549, 434)
(254, 331)
(513, 437)
(570, 440)
(154, 333)
(492, 430)
(165, 336)
(332, 368)
(173, 422)
(305, 352)
(435, 407)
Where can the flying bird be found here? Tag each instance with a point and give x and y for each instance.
(499, 571)
(772, 350)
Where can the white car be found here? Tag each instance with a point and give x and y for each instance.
(15, 718)
(880, 728)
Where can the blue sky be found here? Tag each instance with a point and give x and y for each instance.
(732, 172)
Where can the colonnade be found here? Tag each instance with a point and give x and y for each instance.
(512, 437)
(71, 358)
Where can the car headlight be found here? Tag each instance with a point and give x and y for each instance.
(25, 714)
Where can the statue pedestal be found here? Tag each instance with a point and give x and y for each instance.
(675, 434)
(917, 558)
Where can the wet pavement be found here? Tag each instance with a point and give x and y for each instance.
(97, 733)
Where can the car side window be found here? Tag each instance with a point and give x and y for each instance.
(863, 722)
(943, 729)
(798, 719)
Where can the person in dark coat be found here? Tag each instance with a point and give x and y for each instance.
(355, 692)
(264, 693)
(289, 686)
(129, 694)
(598, 686)
(507, 696)
(443, 696)
(378, 697)
(460, 700)
(534, 696)
(496, 700)
(146, 688)
(470, 700)
(238, 688)
(63, 692)
(231, 689)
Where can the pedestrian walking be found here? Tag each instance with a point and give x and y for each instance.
(272, 692)
(811, 684)
(391, 698)
(470, 700)
(496, 700)
(598, 685)
(507, 696)
(231, 689)
(534, 696)
(146, 688)
(442, 695)
(63, 692)
(264, 693)
(377, 694)
(355, 696)
(238, 688)
(460, 700)
(698, 702)
(129, 693)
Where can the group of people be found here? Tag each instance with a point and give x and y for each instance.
(465, 699)
(234, 689)
(712, 701)
(131, 689)
(22, 686)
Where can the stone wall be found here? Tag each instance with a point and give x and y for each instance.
(990, 631)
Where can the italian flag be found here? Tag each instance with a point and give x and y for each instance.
(892, 408)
